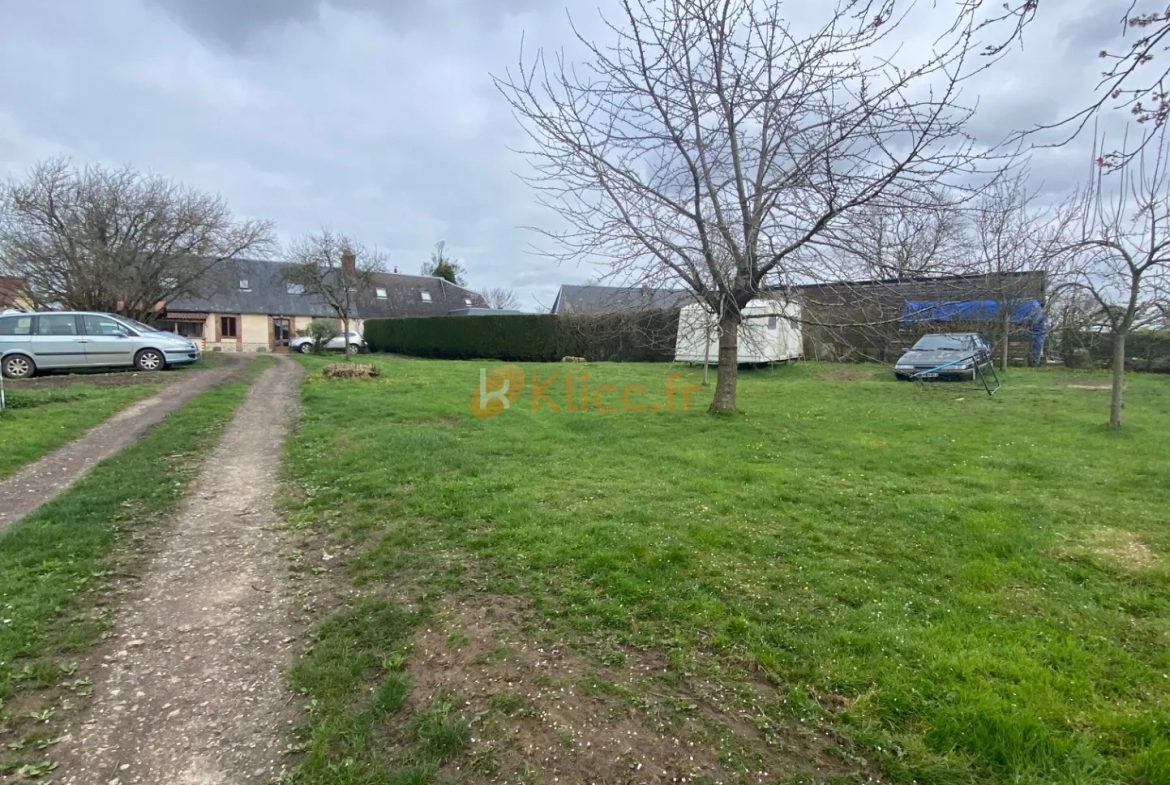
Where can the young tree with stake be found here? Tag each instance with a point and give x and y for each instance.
(1118, 246)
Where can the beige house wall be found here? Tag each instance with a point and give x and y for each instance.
(253, 332)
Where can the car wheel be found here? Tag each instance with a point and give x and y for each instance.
(354, 348)
(150, 360)
(305, 348)
(17, 366)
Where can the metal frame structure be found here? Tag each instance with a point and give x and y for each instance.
(990, 384)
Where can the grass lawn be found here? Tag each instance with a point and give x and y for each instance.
(953, 588)
(57, 564)
(38, 421)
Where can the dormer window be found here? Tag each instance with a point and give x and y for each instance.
(426, 296)
(296, 288)
(244, 287)
(380, 293)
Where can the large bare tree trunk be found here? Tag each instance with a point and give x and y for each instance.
(345, 333)
(1118, 379)
(728, 373)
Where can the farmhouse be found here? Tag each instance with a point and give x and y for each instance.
(247, 306)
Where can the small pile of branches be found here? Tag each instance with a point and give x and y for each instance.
(350, 371)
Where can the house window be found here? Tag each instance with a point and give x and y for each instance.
(244, 287)
(170, 283)
(227, 327)
(467, 301)
(296, 288)
(381, 293)
(426, 296)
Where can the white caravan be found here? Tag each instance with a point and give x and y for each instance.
(770, 333)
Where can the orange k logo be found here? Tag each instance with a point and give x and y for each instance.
(497, 391)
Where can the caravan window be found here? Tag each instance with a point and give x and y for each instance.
(771, 322)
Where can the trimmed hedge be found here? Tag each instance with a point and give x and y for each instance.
(642, 337)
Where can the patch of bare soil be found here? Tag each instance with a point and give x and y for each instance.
(42, 481)
(190, 689)
(1123, 548)
(118, 379)
(543, 712)
(1090, 386)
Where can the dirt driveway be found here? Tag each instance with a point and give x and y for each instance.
(42, 481)
(190, 690)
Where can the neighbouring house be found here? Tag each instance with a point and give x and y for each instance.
(249, 307)
(14, 293)
(577, 299)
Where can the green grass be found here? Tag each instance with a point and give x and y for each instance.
(970, 589)
(38, 421)
(56, 563)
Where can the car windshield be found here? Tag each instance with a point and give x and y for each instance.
(946, 343)
(136, 325)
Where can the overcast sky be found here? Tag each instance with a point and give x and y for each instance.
(378, 117)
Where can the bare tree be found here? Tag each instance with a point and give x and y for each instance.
(500, 299)
(443, 266)
(901, 241)
(705, 130)
(1011, 234)
(102, 239)
(335, 268)
(1120, 247)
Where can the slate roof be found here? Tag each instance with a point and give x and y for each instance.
(404, 297)
(609, 299)
(268, 293)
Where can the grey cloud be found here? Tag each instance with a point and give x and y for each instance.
(235, 23)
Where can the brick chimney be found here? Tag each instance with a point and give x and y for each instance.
(348, 263)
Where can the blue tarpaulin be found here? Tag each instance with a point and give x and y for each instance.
(1025, 312)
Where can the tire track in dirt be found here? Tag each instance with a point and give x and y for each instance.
(44, 480)
(191, 687)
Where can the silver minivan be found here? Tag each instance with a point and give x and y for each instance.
(72, 340)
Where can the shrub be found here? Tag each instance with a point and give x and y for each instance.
(640, 337)
(322, 331)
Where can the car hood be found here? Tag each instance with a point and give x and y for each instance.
(934, 357)
(163, 336)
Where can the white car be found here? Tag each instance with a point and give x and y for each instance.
(304, 345)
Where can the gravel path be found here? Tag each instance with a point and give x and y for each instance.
(191, 690)
(42, 481)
